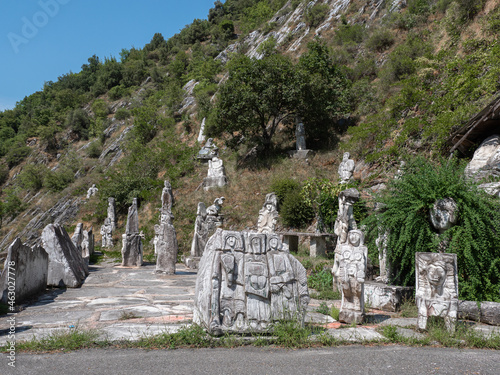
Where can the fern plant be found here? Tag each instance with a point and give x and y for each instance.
(475, 239)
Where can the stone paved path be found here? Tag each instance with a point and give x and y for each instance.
(120, 302)
(129, 303)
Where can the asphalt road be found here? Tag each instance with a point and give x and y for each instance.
(249, 360)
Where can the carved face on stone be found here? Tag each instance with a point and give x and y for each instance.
(354, 238)
(256, 245)
(346, 156)
(436, 274)
(269, 207)
(230, 241)
(444, 214)
(273, 243)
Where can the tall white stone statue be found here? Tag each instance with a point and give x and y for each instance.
(436, 288)
(109, 225)
(268, 215)
(77, 237)
(201, 135)
(247, 281)
(300, 135)
(87, 244)
(352, 274)
(216, 176)
(200, 236)
(343, 224)
(166, 246)
(92, 191)
(346, 169)
(132, 239)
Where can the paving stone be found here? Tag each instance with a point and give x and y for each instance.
(401, 322)
(358, 334)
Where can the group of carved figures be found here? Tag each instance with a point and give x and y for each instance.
(246, 281)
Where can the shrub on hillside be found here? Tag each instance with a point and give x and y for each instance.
(475, 239)
(284, 186)
(4, 173)
(122, 114)
(316, 14)
(16, 154)
(294, 211)
(380, 40)
(32, 175)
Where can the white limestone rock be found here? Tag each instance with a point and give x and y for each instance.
(24, 273)
(66, 265)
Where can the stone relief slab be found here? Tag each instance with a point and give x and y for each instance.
(436, 288)
(246, 281)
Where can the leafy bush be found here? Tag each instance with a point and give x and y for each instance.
(59, 179)
(78, 122)
(295, 212)
(283, 187)
(32, 175)
(94, 150)
(347, 34)
(16, 154)
(4, 173)
(475, 239)
(316, 14)
(118, 92)
(380, 40)
(100, 108)
(122, 114)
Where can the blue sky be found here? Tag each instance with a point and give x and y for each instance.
(41, 40)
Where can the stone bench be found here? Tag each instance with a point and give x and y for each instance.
(317, 241)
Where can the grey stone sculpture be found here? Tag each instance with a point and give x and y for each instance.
(66, 265)
(346, 168)
(352, 273)
(109, 224)
(247, 281)
(300, 135)
(206, 151)
(201, 135)
(436, 288)
(486, 159)
(132, 239)
(216, 176)
(268, 215)
(443, 216)
(343, 224)
(77, 237)
(87, 244)
(166, 246)
(92, 191)
(24, 272)
(201, 230)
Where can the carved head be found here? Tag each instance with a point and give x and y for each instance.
(444, 214)
(346, 156)
(356, 237)
(436, 274)
(273, 243)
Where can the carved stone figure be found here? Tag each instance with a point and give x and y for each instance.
(132, 240)
(352, 273)
(200, 236)
(381, 243)
(167, 197)
(343, 224)
(206, 151)
(109, 224)
(444, 215)
(214, 217)
(486, 159)
(166, 246)
(201, 135)
(88, 244)
(66, 265)
(346, 168)
(300, 135)
(216, 176)
(92, 191)
(112, 212)
(268, 215)
(246, 281)
(77, 237)
(28, 266)
(436, 288)
(107, 233)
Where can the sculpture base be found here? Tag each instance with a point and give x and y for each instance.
(192, 262)
(385, 297)
(211, 182)
(301, 154)
(351, 316)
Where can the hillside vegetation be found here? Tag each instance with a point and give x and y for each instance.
(383, 80)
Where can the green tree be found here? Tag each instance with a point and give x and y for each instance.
(257, 97)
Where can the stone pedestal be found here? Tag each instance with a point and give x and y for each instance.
(351, 316)
(292, 241)
(167, 250)
(317, 246)
(301, 154)
(385, 297)
(192, 262)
